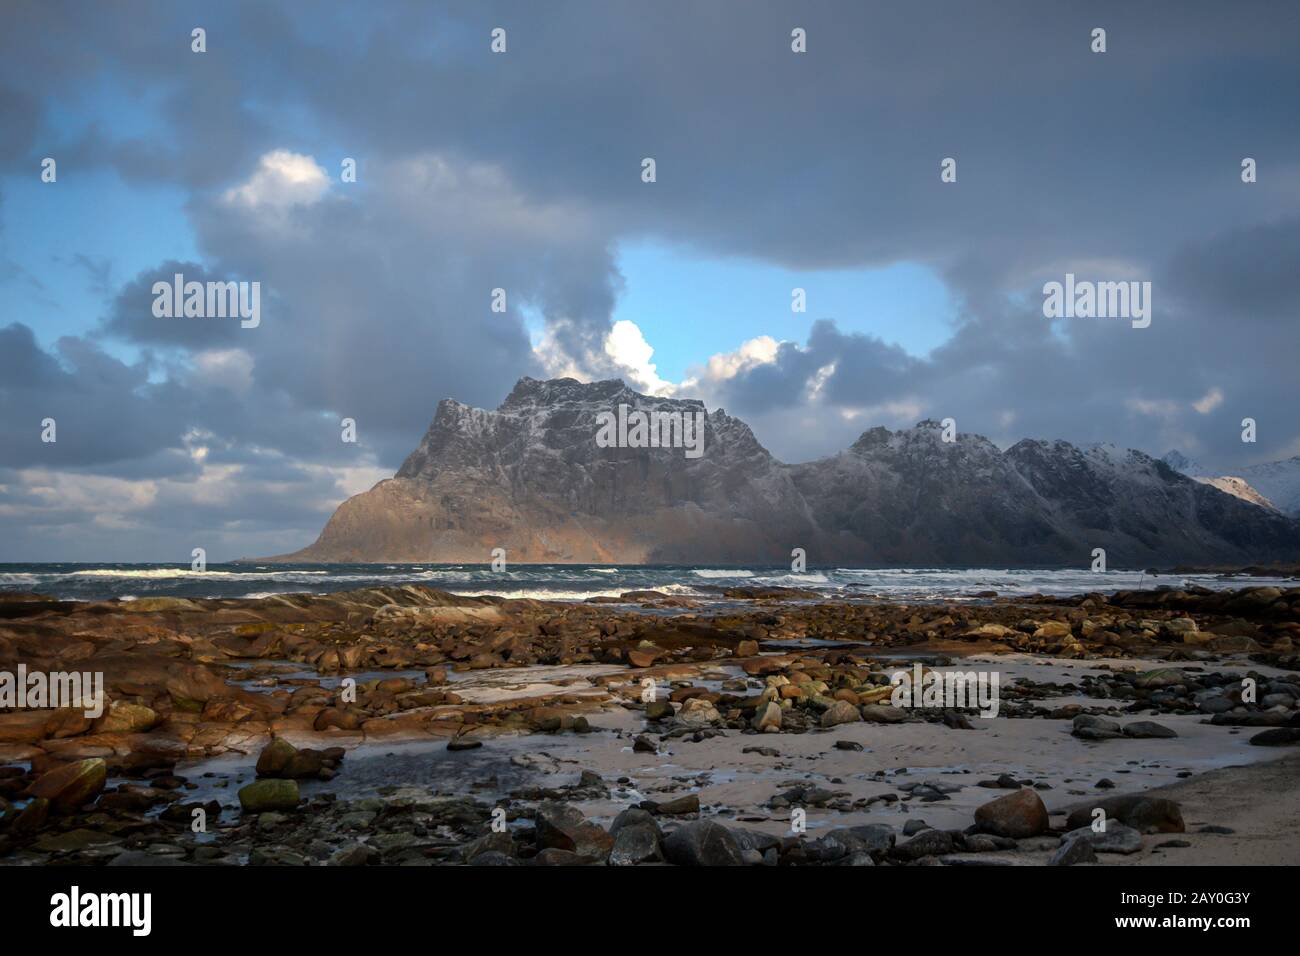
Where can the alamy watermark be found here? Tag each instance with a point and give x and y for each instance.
(37, 690)
(208, 300)
(977, 690)
(75, 909)
(1098, 300)
(635, 428)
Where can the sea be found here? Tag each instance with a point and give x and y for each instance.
(570, 582)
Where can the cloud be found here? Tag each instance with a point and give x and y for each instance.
(282, 179)
(1209, 401)
(521, 172)
(627, 348)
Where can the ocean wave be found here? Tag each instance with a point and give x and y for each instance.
(540, 594)
(718, 573)
(794, 580)
(165, 573)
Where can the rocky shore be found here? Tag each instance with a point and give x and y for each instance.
(407, 725)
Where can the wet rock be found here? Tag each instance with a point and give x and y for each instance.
(357, 854)
(1162, 677)
(275, 757)
(72, 785)
(883, 714)
(681, 806)
(1116, 838)
(1145, 814)
(633, 816)
(1018, 815)
(840, 712)
(769, 719)
(755, 840)
(126, 718)
(31, 818)
(1277, 737)
(925, 843)
(702, 843)
(852, 745)
(659, 710)
(986, 843)
(1091, 727)
(1143, 729)
(698, 712)
(842, 843)
(305, 764)
(635, 843)
(269, 793)
(72, 841)
(494, 842)
(1073, 852)
(562, 827)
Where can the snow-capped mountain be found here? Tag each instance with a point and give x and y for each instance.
(1279, 481)
(1176, 460)
(1275, 484)
(532, 478)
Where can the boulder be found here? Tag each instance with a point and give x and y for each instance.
(1018, 815)
(269, 793)
(768, 719)
(635, 843)
(1144, 729)
(1116, 838)
(1073, 852)
(72, 785)
(1145, 814)
(275, 757)
(702, 843)
(562, 827)
(840, 712)
(126, 718)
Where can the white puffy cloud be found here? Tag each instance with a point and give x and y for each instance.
(282, 179)
(627, 347)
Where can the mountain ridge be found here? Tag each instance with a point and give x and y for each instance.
(528, 477)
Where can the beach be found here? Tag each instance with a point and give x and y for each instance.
(737, 724)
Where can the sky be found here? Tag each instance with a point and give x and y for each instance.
(522, 170)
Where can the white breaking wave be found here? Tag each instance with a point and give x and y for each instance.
(163, 573)
(795, 580)
(706, 573)
(540, 594)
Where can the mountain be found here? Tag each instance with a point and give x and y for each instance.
(1275, 484)
(1279, 481)
(532, 478)
(1176, 460)
(1239, 488)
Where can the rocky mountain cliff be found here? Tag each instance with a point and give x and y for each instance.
(531, 478)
